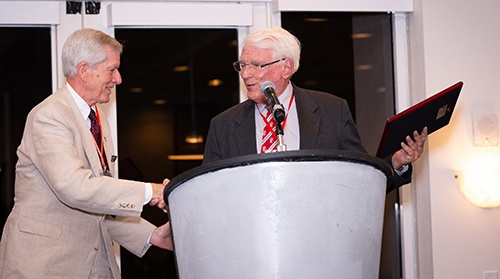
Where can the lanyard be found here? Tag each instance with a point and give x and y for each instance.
(100, 149)
(286, 117)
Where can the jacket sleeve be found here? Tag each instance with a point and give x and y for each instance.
(399, 181)
(131, 233)
(212, 149)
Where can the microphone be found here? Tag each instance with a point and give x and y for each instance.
(268, 89)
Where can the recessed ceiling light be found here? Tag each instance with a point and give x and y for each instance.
(181, 69)
(316, 19)
(136, 90)
(361, 35)
(214, 82)
(364, 67)
(160, 102)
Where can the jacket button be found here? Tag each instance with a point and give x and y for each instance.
(96, 248)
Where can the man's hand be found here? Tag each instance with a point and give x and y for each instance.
(162, 237)
(410, 151)
(157, 198)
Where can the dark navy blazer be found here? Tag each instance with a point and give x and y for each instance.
(325, 122)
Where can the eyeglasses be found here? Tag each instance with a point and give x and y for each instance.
(239, 65)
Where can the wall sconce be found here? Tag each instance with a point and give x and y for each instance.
(480, 187)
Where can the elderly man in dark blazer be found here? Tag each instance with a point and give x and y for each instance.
(314, 120)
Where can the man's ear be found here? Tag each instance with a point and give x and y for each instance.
(288, 69)
(83, 71)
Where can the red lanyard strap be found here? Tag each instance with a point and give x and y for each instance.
(286, 117)
(100, 149)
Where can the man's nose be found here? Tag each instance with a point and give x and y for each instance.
(245, 72)
(117, 77)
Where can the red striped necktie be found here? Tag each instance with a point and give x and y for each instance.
(269, 139)
(96, 132)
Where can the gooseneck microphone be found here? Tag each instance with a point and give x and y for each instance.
(268, 89)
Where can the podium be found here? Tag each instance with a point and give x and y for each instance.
(296, 214)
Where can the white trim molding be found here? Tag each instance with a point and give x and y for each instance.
(29, 12)
(180, 14)
(343, 6)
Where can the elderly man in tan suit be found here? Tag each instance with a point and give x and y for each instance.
(69, 205)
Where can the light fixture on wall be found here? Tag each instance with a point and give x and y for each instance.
(485, 129)
(481, 184)
(480, 187)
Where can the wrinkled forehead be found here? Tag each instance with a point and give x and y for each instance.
(253, 54)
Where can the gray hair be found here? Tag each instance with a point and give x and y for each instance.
(281, 43)
(86, 45)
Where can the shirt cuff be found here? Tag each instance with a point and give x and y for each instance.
(149, 239)
(400, 172)
(149, 193)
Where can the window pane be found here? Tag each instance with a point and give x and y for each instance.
(25, 80)
(174, 82)
(350, 55)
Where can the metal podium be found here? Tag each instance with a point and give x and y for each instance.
(296, 214)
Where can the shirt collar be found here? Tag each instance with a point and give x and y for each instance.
(284, 99)
(82, 105)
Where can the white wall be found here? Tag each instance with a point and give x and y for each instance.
(454, 40)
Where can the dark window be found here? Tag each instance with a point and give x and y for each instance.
(350, 55)
(174, 82)
(25, 80)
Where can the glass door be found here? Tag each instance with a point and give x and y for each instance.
(25, 80)
(174, 82)
(350, 55)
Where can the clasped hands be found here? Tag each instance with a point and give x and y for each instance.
(411, 150)
(157, 198)
(162, 236)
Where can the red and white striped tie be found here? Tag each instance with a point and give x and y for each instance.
(269, 139)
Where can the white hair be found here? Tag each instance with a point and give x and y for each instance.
(86, 45)
(281, 43)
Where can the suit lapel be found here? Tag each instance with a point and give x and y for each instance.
(108, 143)
(86, 136)
(309, 120)
(245, 128)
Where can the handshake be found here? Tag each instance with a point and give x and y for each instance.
(157, 198)
(161, 236)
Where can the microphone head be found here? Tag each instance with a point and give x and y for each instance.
(266, 85)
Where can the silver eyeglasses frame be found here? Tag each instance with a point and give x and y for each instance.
(239, 65)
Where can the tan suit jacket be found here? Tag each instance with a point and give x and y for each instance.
(61, 224)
